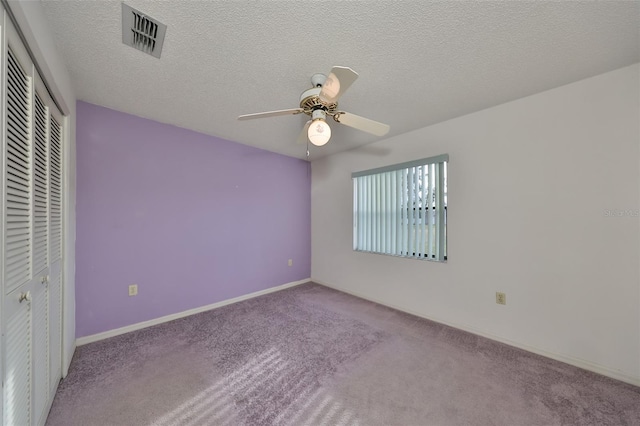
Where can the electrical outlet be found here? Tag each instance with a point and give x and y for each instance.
(290, 263)
(501, 298)
(133, 290)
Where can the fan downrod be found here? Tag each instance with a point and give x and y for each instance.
(310, 99)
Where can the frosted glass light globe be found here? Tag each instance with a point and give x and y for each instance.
(319, 132)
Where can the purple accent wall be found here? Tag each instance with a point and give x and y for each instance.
(192, 219)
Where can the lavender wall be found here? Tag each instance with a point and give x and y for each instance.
(190, 218)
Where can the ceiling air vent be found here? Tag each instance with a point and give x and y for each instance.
(142, 32)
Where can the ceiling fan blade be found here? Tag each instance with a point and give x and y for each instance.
(271, 113)
(361, 123)
(303, 137)
(337, 82)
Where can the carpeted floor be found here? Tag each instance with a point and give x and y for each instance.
(312, 355)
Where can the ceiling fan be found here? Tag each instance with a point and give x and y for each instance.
(320, 102)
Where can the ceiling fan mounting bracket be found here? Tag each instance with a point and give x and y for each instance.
(317, 80)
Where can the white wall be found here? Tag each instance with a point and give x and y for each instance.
(35, 28)
(529, 182)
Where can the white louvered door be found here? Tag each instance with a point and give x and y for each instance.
(55, 327)
(17, 178)
(31, 237)
(17, 380)
(55, 246)
(17, 244)
(40, 252)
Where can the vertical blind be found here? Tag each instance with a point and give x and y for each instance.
(401, 210)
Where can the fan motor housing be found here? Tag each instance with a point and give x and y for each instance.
(310, 100)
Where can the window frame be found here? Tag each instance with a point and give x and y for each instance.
(386, 221)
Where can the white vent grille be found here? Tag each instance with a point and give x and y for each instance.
(142, 32)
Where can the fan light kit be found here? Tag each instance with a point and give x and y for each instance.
(319, 131)
(321, 101)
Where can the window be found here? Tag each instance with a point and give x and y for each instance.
(401, 210)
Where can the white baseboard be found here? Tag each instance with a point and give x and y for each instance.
(577, 362)
(140, 325)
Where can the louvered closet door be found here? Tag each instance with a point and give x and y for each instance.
(55, 250)
(17, 178)
(40, 253)
(31, 239)
(55, 327)
(40, 178)
(17, 381)
(55, 198)
(17, 244)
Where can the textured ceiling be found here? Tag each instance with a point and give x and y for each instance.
(419, 62)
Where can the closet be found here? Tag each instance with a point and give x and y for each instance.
(31, 237)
